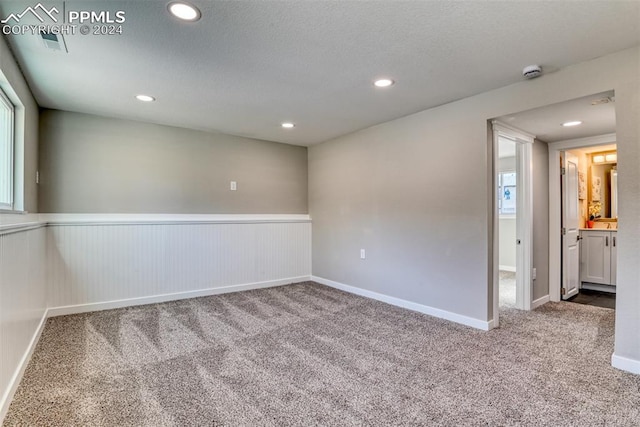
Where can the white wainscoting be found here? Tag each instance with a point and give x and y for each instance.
(22, 302)
(99, 265)
(62, 264)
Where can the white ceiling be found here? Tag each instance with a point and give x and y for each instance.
(546, 122)
(247, 66)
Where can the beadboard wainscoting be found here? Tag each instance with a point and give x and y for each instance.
(63, 264)
(96, 264)
(22, 301)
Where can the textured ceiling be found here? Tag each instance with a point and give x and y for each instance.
(546, 122)
(247, 66)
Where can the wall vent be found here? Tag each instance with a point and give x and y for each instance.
(606, 100)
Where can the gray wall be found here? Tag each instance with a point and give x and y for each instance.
(414, 192)
(628, 281)
(507, 243)
(540, 184)
(507, 163)
(91, 164)
(26, 132)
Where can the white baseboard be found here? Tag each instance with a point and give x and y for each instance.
(625, 364)
(540, 301)
(14, 382)
(431, 311)
(507, 268)
(492, 324)
(130, 302)
(84, 308)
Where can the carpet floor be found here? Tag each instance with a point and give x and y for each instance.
(307, 354)
(507, 292)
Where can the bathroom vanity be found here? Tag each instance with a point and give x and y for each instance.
(598, 259)
(599, 245)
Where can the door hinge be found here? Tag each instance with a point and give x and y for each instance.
(563, 171)
(564, 231)
(564, 291)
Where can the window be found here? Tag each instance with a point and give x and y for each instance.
(6, 152)
(507, 193)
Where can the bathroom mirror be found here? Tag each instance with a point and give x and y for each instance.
(604, 189)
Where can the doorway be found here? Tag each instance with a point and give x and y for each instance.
(507, 219)
(592, 281)
(593, 120)
(512, 218)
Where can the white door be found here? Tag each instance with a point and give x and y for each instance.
(570, 228)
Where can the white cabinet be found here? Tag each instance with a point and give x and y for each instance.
(598, 254)
(614, 257)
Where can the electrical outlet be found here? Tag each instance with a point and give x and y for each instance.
(233, 186)
(362, 254)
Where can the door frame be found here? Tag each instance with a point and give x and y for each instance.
(524, 212)
(555, 205)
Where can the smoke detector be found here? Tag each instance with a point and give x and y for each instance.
(532, 71)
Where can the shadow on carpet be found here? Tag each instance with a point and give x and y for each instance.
(306, 354)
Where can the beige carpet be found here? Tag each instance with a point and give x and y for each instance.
(309, 355)
(507, 292)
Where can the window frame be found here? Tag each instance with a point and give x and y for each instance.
(6, 102)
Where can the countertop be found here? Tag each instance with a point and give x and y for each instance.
(599, 229)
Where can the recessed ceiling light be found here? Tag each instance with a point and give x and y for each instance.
(184, 11)
(574, 123)
(288, 125)
(145, 98)
(383, 82)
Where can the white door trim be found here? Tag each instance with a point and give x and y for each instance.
(555, 206)
(524, 209)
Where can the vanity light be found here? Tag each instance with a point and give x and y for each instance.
(574, 123)
(613, 157)
(184, 11)
(383, 83)
(288, 125)
(145, 98)
(598, 158)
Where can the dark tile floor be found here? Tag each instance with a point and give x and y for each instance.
(597, 298)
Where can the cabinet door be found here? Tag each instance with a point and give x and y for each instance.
(614, 257)
(596, 257)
